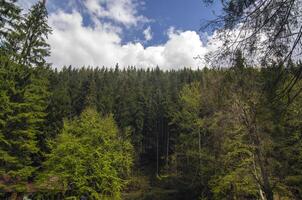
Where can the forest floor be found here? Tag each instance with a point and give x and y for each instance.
(148, 191)
(164, 187)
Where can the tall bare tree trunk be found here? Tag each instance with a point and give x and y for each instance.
(250, 120)
(260, 160)
(167, 153)
(157, 153)
(199, 146)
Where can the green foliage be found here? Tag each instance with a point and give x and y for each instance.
(26, 43)
(24, 92)
(10, 15)
(206, 134)
(90, 158)
(203, 133)
(22, 116)
(235, 178)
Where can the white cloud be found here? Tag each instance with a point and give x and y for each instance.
(121, 11)
(77, 45)
(101, 44)
(26, 4)
(74, 44)
(148, 34)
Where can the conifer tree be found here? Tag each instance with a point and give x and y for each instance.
(9, 18)
(27, 42)
(23, 115)
(24, 91)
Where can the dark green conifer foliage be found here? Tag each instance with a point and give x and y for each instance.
(91, 98)
(24, 91)
(23, 115)
(27, 42)
(9, 18)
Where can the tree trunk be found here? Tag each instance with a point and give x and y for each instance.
(199, 146)
(157, 153)
(266, 187)
(167, 153)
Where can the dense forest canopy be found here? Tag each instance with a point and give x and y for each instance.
(128, 133)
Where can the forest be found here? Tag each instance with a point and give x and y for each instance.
(216, 133)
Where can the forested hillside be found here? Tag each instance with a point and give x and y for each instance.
(129, 133)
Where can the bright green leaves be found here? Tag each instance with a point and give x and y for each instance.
(91, 158)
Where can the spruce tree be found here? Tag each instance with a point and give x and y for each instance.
(27, 42)
(9, 18)
(24, 92)
(22, 119)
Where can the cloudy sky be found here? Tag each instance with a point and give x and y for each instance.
(141, 33)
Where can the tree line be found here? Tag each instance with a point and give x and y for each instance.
(90, 133)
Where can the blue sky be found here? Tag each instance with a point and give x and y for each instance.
(181, 14)
(143, 33)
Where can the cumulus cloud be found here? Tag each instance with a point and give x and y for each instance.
(100, 44)
(148, 34)
(121, 11)
(78, 45)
